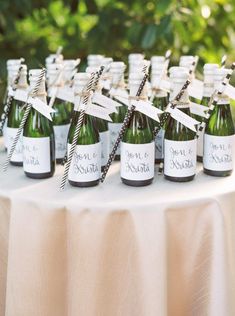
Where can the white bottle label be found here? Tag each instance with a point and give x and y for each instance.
(86, 163)
(218, 152)
(159, 142)
(114, 129)
(105, 143)
(200, 143)
(180, 158)
(18, 152)
(137, 161)
(36, 154)
(61, 135)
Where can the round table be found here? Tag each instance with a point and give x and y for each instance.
(165, 249)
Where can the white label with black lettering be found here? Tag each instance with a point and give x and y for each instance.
(86, 163)
(218, 152)
(18, 152)
(180, 158)
(159, 142)
(61, 134)
(105, 143)
(114, 129)
(137, 161)
(36, 154)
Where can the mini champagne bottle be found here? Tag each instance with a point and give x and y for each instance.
(15, 116)
(86, 163)
(137, 146)
(219, 135)
(11, 64)
(159, 99)
(117, 70)
(180, 144)
(61, 117)
(38, 137)
(208, 89)
(102, 127)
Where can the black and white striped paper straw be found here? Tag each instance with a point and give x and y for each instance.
(7, 107)
(90, 86)
(223, 61)
(165, 115)
(126, 122)
(215, 98)
(23, 121)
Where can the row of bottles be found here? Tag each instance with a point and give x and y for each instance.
(43, 142)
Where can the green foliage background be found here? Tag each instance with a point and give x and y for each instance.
(33, 29)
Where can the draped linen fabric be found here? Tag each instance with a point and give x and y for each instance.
(165, 249)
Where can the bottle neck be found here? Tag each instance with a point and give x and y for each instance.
(134, 87)
(177, 86)
(41, 93)
(118, 80)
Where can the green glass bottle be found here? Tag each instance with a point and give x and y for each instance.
(208, 89)
(180, 144)
(86, 163)
(137, 146)
(102, 127)
(38, 138)
(160, 100)
(15, 116)
(61, 117)
(118, 90)
(219, 135)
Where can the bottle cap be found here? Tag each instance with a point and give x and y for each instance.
(54, 58)
(209, 69)
(117, 67)
(14, 62)
(70, 64)
(90, 69)
(34, 73)
(94, 60)
(15, 69)
(136, 77)
(81, 80)
(156, 60)
(134, 57)
(220, 73)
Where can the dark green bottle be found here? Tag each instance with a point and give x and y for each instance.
(219, 135)
(15, 116)
(117, 70)
(86, 163)
(61, 117)
(180, 144)
(137, 147)
(160, 100)
(208, 90)
(38, 138)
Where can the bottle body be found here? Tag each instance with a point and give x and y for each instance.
(14, 118)
(218, 142)
(61, 123)
(115, 127)
(138, 152)
(104, 134)
(38, 146)
(86, 163)
(200, 140)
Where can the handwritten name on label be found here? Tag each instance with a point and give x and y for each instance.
(137, 161)
(36, 154)
(180, 158)
(18, 152)
(61, 134)
(105, 141)
(86, 163)
(159, 142)
(114, 129)
(218, 152)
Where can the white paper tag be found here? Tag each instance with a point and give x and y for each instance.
(121, 95)
(105, 149)
(198, 109)
(66, 94)
(195, 89)
(159, 142)
(180, 158)
(147, 108)
(230, 91)
(86, 163)
(98, 111)
(18, 152)
(165, 85)
(218, 152)
(61, 135)
(200, 141)
(137, 161)
(36, 154)
(105, 102)
(183, 118)
(114, 129)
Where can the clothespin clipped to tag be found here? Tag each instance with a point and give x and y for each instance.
(105, 102)
(198, 109)
(120, 95)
